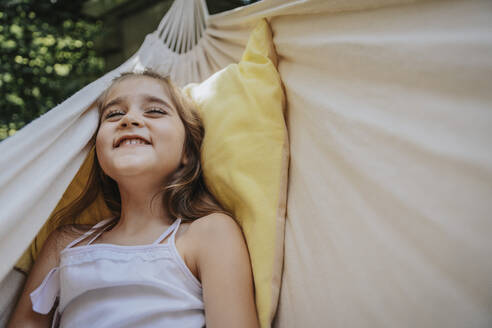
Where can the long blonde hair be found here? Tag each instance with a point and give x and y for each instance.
(185, 196)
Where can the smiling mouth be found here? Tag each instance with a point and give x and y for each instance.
(132, 142)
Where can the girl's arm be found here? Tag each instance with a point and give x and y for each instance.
(225, 272)
(23, 315)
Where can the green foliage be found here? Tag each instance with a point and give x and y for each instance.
(46, 54)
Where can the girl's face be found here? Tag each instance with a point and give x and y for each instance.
(141, 133)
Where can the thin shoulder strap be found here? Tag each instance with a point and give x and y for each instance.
(174, 226)
(98, 234)
(87, 233)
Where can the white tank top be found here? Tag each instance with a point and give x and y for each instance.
(106, 285)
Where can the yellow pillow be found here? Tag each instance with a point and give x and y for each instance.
(245, 161)
(245, 156)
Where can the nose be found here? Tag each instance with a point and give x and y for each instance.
(129, 119)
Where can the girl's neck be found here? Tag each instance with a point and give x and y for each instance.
(140, 210)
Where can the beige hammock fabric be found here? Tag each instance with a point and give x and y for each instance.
(390, 126)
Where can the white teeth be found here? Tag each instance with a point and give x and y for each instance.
(132, 142)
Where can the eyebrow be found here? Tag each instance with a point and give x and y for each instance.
(146, 98)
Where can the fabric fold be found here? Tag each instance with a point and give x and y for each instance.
(43, 298)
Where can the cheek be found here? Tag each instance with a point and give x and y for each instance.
(170, 136)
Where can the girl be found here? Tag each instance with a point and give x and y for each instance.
(171, 256)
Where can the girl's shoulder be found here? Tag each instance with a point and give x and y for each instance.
(223, 264)
(201, 231)
(62, 236)
(213, 221)
(193, 238)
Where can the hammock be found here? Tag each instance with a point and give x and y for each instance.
(390, 184)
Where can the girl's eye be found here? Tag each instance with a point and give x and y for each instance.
(114, 113)
(156, 110)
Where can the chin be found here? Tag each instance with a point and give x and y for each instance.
(129, 168)
(129, 172)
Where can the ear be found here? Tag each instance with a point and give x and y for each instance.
(184, 160)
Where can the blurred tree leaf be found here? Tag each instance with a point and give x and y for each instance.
(46, 54)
